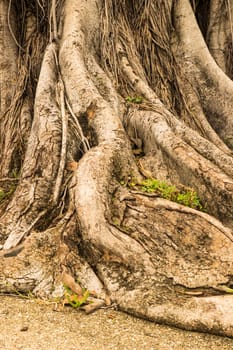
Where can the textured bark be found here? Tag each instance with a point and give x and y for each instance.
(74, 212)
(219, 34)
(208, 78)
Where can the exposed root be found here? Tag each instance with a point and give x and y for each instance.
(42, 156)
(192, 169)
(42, 267)
(64, 142)
(73, 218)
(180, 269)
(154, 103)
(208, 314)
(199, 64)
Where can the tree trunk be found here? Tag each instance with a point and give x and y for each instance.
(101, 101)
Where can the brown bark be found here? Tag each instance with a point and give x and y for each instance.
(78, 215)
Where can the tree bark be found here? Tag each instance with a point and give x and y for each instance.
(108, 94)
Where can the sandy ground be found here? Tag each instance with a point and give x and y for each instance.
(33, 325)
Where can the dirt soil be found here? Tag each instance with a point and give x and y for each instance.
(34, 325)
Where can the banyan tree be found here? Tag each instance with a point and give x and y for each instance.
(116, 162)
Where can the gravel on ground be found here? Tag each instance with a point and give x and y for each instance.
(35, 325)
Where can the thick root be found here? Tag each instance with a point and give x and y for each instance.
(190, 167)
(216, 90)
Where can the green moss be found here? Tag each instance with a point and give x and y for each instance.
(135, 99)
(190, 199)
(187, 198)
(153, 185)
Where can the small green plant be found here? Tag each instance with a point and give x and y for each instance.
(74, 299)
(136, 99)
(190, 199)
(187, 198)
(153, 185)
